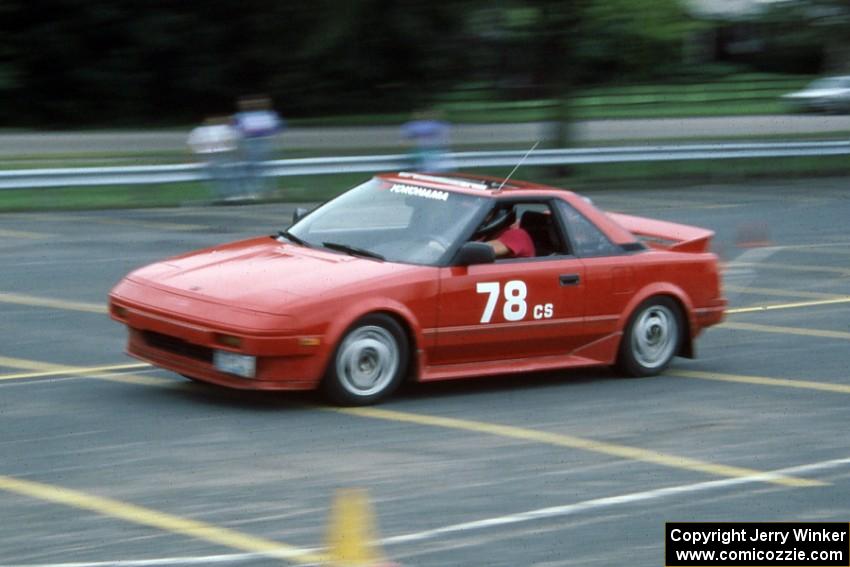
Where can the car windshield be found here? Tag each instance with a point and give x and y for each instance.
(395, 221)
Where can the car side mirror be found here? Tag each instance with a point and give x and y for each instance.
(298, 214)
(473, 253)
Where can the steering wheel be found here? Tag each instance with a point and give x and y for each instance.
(426, 249)
(502, 218)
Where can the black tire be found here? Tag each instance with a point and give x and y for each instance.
(369, 362)
(653, 336)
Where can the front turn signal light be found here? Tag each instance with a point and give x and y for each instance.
(229, 340)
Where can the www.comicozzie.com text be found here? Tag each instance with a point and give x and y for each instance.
(727, 536)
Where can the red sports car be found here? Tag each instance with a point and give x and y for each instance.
(398, 279)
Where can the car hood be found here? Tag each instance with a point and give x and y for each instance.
(264, 274)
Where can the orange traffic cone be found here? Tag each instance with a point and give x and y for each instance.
(752, 235)
(351, 532)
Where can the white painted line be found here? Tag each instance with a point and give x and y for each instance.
(211, 559)
(206, 560)
(542, 513)
(743, 276)
(597, 503)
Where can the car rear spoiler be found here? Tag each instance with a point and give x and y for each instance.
(666, 235)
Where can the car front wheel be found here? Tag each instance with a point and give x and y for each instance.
(369, 362)
(652, 338)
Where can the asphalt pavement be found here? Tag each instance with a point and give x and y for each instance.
(102, 463)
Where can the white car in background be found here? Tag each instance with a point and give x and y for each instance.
(830, 94)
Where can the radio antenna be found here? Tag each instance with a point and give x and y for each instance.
(528, 153)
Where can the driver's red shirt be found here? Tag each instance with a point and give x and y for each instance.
(518, 242)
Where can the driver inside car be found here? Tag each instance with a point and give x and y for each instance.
(505, 236)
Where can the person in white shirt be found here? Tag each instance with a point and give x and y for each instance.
(216, 143)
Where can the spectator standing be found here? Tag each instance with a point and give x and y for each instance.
(216, 142)
(428, 135)
(258, 125)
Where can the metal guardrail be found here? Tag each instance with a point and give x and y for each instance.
(136, 175)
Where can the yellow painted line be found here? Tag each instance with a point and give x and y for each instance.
(507, 431)
(33, 301)
(136, 379)
(845, 247)
(159, 520)
(772, 307)
(829, 251)
(129, 512)
(97, 372)
(229, 213)
(35, 365)
(764, 381)
(72, 370)
(790, 267)
(785, 330)
(829, 299)
(572, 442)
(773, 292)
(668, 207)
(156, 225)
(643, 202)
(5, 233)
(717, 206)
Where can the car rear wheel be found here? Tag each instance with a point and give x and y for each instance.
(652, 338)
(369, 362)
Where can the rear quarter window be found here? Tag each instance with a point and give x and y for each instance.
(586, 238)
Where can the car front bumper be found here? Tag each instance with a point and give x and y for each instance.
(273, 373)
(185, 344)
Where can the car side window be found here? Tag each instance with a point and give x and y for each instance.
(539, 221)
(587, 239)
(542, 233)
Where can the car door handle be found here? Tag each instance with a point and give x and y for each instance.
(569, 279)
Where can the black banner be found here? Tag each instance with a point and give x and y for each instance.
(754, 544)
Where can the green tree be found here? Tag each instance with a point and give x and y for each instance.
(70, 62)
(804, 26)
(380, 54)
(82, 61)
(629, 39)
(101, 61)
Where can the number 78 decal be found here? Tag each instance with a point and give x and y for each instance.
(515, 307)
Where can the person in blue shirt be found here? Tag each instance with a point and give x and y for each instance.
(258, 125)
(428, 135)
